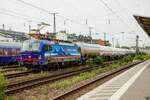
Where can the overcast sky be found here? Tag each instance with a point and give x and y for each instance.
(116, 20)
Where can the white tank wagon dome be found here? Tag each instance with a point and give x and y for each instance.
(88, 46)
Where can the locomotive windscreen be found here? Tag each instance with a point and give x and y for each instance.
(30, 45)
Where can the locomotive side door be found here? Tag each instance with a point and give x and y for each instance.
(46, 52)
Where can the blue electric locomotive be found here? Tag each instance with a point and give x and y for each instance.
(43, 52)
(9, 52)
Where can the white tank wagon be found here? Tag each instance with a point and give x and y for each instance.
(89, 49)
(96, 49)
(147, 51)
(130, 51)
(118, 51)
(106, 51)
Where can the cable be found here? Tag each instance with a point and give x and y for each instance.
(4, 13)
(122, 8)
(106, 5)
(25, 16)
(113, 12)
(26, 3)
(44, 10)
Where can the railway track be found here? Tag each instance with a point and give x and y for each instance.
(17, 74)
(12, 88)
(11, 66)
(11, 69)
(89, 82)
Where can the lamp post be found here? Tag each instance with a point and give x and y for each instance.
(137, 44)
(113, 38)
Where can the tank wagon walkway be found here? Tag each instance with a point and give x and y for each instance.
(133, 84)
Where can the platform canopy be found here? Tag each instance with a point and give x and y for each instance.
(144, 22)
(13, 34)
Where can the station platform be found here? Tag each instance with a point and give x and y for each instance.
(133, 84)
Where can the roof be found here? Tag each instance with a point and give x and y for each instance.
(42, 41)
(13, 34)
(144, 22)
(10, 44)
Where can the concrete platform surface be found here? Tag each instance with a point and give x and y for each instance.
(133, 84)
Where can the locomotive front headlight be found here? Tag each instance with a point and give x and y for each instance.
(40, 57)
(29, 56)
(20, 57)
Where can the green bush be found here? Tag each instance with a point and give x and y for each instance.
(138, 57)
(90, 62)
(95, 61)
(2, 87)
(127, 58)
(98, 60)
(115, 65)
(146, 56)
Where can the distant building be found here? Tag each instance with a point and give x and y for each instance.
(72, 37)
(5, 39)
(101, 42)
(80, 38)
(10, 35)
(62, 35)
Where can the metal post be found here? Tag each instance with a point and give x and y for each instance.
(105, 39)
(3, 26)
(65, 26)
(137, 43)
(29, 32)
(54, 22)
(112, 42)
(90, 31)
(54, 30)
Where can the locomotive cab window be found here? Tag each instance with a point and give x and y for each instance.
(5, 52)
(1, 51)
(14, 51)
(79, 49)
(30, 45)
(46, 48)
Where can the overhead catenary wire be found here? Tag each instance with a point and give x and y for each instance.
(113, 12)
(31, 5)
(48, 12)
(11, 15)
(106, 5)
(19, 17)
(22, 16)
(66, 18)
(127, 13)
